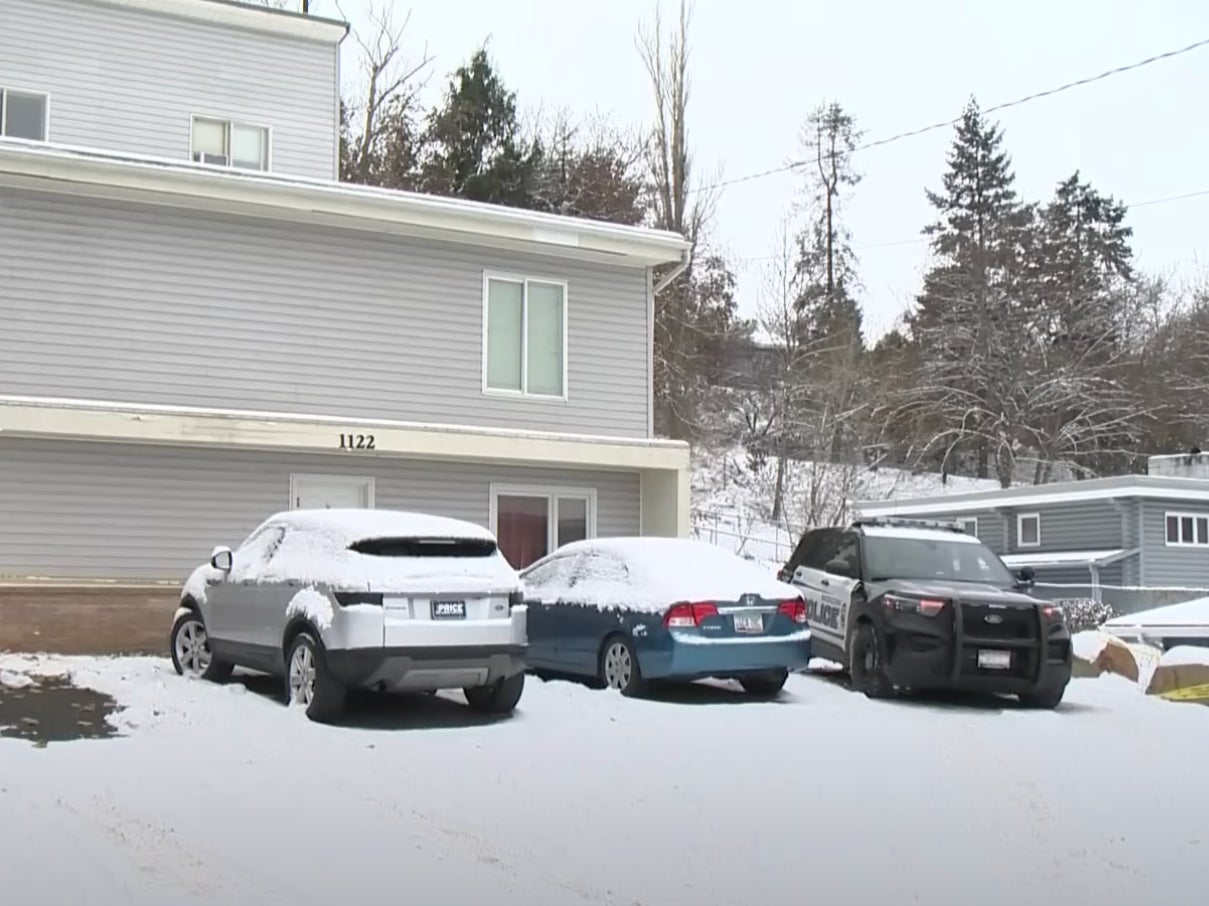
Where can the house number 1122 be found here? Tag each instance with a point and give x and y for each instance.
(357, 442)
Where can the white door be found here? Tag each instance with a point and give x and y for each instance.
(326, 492)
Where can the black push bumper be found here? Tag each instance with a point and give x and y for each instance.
(943, 652)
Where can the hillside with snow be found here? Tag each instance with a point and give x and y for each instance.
(733, 498)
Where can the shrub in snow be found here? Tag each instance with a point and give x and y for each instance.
(1084, 614)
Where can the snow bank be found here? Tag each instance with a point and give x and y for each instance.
(1089, 645)
(313, 606)
(650, 574)
(1185, 656)
(14, 680)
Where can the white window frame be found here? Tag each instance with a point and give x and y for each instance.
(1020, 518)
(231, 123)
(4, 92)
(523, 393)
(550, 493)
(965, 522)
(1196, 541)
(366, 481)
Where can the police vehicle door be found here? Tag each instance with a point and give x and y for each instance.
(838, 586)
(823, 612)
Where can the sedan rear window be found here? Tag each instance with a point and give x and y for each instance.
(424, 547)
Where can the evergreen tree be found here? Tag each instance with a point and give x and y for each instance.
(474, 146)
(968, 322)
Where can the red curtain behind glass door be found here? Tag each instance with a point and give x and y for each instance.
(522, 527)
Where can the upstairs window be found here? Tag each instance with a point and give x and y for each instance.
(525, 344)
(224, 143)
(23, 115)
(1188, 529)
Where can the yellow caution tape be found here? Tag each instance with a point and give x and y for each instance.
(1188, 693)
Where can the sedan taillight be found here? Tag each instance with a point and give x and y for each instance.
(689, 614)
(794, 609)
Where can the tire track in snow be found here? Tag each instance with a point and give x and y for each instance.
(158, 852)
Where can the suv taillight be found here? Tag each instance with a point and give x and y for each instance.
(689, 615)
(795, 609)
(349, 598)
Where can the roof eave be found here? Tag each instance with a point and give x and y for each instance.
(243, 15)
(89, 173)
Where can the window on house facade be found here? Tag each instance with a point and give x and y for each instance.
(224, 143)
(969, 525)
(525, 337)
(1028, 530)
(23, 115)
(530, 522)
(1188, 529)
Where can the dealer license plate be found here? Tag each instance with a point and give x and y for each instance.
(448, 610)
(994, 660)
(749, 622)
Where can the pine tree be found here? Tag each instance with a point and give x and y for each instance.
(968, 321)
(474, 145)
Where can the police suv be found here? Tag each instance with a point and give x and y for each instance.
(913, 604)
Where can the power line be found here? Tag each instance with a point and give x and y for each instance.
(918, 239)
(1049, 92)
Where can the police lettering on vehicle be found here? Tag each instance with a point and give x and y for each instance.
(826, 612)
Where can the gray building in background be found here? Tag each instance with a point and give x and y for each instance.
(1133, 541)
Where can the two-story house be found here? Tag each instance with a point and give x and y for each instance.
(1132, 541)
(200, 326)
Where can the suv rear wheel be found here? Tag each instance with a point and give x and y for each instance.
(865, 663)
(500, 697)
(309, 683)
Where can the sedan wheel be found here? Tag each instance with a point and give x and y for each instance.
(191, 654)
(619, 667)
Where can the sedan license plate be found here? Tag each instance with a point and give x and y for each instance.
(448, 610)
(749, 622)
(994, 660)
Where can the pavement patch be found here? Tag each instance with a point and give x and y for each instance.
(46, 709)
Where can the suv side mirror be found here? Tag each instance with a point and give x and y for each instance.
(839, 568)
(222, 559)
(1027, 575)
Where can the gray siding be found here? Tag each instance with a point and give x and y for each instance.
(1186, 567)
(128, 81)
(127, 512)
(1087, 525)
(150, 305)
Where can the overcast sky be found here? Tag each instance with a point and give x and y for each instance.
(759, 66)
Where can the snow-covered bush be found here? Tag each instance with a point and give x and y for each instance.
(1085, 613)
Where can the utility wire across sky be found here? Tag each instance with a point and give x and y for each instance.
(1049, 92)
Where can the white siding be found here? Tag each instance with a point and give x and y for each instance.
(152, 305)
(81, 510)
(128, 81)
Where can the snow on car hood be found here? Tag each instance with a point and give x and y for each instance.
(659, 572)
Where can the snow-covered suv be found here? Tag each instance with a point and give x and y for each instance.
(337, 599)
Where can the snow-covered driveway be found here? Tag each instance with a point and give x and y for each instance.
(220, 795)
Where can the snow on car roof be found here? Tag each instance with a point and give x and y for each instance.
(918, 534)
(349, 525)
(663, 571)
(1186, 613)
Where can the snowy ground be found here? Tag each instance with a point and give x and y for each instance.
(221, 795)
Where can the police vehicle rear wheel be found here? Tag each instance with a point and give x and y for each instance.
(865, 663)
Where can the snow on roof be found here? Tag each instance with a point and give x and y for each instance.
(1147, 486)
(1192, 614)
(1065, 558)
(349, 525)
(662, 571)
(143, 178)
(244, 15)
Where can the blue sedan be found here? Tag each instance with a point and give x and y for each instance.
(623, 611)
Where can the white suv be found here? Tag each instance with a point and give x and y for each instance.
(372, 599)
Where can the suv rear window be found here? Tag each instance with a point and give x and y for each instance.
(424, 547)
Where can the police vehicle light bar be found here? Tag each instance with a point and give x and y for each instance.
(902, 522)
